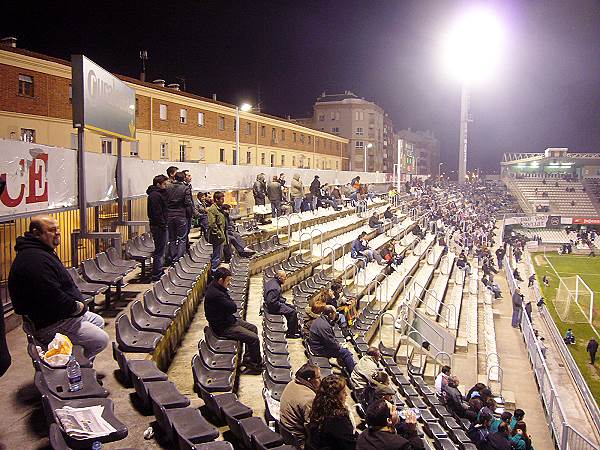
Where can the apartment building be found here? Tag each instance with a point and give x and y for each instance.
(420, 152)
(35, 106)
(356, 119)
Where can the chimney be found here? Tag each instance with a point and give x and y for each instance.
(9, 41)
(159, 82)
(174, 86)
(215, 97)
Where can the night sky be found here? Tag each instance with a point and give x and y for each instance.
(545, 93)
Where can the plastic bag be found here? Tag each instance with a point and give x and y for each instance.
(59, 351)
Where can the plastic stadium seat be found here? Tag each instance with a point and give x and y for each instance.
(161, 392)
(209, 379)
(443, 444)
(54, 381)
(275, 389)
(185, 444)
(132, 340)
(141, 320)
(162, 296)
(106, 266)
(219, 404)
(434, 430)
(223, 361)
(278, 375)
(275, 347)
(280, 361)
(255, 432)
(156, 308)
(116, 259)
(143, 369)
(37, 360)
(219, 345)
(186, 423)
(61, 440)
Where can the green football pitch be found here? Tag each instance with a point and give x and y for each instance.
(567, 267)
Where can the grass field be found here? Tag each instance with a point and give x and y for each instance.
(589, 270)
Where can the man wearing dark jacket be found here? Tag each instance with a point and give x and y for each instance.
(315, 189)
(179, 203)
(382, 419)
(157, 216)
(374, 221)
(259, 191)
(322, 339)
(41, 289)
(274, 303)
(217, 230)
(500, 439)
(275, 194)
(219, 309)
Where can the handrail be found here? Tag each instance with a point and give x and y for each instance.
(381, 316)
(299, 219)
(487, 357)
(500, 374)
(379, 284)
(289, 224)
(414, 311)
(361, 207)
(436, 357)
(306, 233)
(439, 303)
(332, 248)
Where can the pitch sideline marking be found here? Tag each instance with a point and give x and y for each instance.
(578, 305)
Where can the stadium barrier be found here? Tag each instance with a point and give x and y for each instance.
(565, 436)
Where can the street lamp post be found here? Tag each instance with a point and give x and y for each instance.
(245, 107)
(440, 169)
(368, 146)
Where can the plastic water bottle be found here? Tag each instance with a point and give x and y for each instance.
(74, 375)
(97, 445)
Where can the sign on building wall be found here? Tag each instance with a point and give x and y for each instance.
(101, 102)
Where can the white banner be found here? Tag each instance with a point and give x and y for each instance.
(528, 221)
(40, 178)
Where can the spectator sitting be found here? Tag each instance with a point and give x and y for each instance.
(378, 388)
(518, 416)
(275, 303)
(474, 392)
(219, 309)
(322, 339)
(454, 398)
(493, 287)
(374, 222)
(479, 432)
(388, 253)
(42, 290)
(505, 417)
(569, 337)
(313, 310)
(499, 439)
(329, 421)
(383, 422)
(519, 437)
(517, 275)
(389, 215)
(360, 250)
(297, 399)
(365, 368)
(442, 379)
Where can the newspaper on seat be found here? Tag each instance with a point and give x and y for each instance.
(84, 423)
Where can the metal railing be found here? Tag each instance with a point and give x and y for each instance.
(565, 436)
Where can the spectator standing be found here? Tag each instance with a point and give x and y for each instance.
(179, 204)
(500, 252)
(592, 348)
(157, 216)
(297, 192)
(275, 196)
(275, 303)
(191, 211)
(322, 339)
(297, 398)
(171, 172)
(259, 191)
(517, 304)
(315, 189)
(201, 208)
(217, 230)
(42, 290)
(220, 312)
(330, 425)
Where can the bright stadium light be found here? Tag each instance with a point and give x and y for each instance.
(472, 50)
(473, 45)
(245, 107)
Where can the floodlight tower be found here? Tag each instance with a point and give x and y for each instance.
(471, 52)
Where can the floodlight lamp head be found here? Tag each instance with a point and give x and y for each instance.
(245, 107)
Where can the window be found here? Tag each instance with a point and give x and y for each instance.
(221, 155)
(321, 117)
(248, 157)
(27, 135)
(201, 153)
(163, 112)
(221, 123)
(164, 150)
(301, 138)
(335, 130)
(359, 115)
(273, 135)
(234, 125)
(183, 115)
(134, 148)
(332, 115)
(263, 159)
(360, 131)
(182, 152)
(359, 145)
(308, 165)
(248, 128)
(318, 142)
(26, 85)
(200, 119)
(283, 160)
(337, 165)
(294, 136)
(235, 157)
(137, 101)
(263, 131)
(337, 145)
(309, 140)
(107, 146)
(293, 161)
(272, 159)
(74, 144)
(282, 135)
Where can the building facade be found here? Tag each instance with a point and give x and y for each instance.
(420, 152)
(35, 105)
(356, 119)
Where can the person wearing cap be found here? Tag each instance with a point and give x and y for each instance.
(315, 189)
(383, 422)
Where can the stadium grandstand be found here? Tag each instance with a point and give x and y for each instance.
(162, 304)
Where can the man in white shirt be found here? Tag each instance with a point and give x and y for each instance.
(442, 379)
